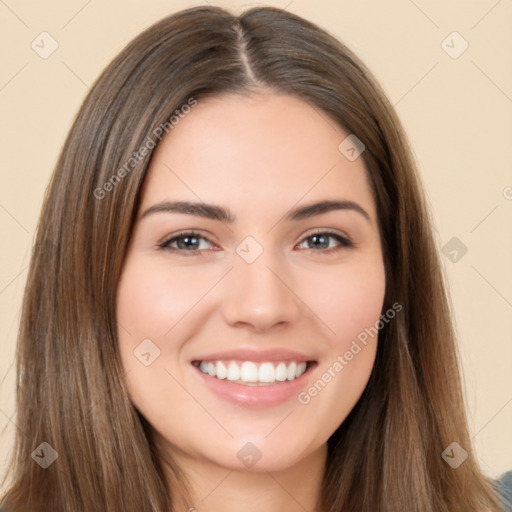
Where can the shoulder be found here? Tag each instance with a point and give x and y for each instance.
(504, 484)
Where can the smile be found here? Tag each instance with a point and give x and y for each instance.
(253, 373)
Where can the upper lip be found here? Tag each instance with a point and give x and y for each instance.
(259, 355)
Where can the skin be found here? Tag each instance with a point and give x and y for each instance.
(259, 156)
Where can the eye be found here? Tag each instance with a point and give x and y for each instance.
(322, 240)
(189, 241)
(194, 243)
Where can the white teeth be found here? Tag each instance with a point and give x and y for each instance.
(233, 371)
(292, 368)
(249, 371)
(266, 373)
(301, 368)
(281, 372)
(222, 371)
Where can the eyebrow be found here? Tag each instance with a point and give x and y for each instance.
(214, 212)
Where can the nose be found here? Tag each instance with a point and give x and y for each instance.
(260, 295)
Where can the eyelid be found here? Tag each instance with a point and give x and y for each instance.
(326, 231)
(186, 232)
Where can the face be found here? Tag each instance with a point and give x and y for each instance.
(241, 311)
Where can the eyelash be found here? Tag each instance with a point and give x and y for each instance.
(344, 243)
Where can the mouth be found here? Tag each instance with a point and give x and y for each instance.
(255, 377)
(253, 373)
(255, 384)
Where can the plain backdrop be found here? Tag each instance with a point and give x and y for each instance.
(452, 91)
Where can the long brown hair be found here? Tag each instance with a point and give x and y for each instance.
(70, 385)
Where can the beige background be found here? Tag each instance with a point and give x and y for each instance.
(457, 112)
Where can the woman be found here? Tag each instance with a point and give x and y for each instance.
(172, 332)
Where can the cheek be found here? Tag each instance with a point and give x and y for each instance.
(151, 307)
(349, 304)
(154, 307)
(151, 300)
(348, 301)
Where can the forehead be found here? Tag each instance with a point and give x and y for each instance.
(264, 150)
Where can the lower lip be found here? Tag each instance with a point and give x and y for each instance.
(256, 396)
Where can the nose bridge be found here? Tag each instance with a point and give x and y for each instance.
(256, 290)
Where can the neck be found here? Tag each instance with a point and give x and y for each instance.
(215, 488)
